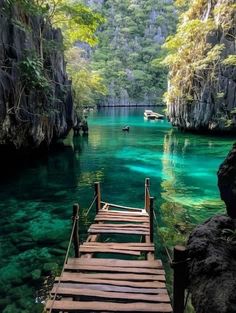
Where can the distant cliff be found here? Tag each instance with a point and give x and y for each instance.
(129, 41)
(202, 79)
(36, 104)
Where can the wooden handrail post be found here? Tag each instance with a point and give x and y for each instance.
(98, 195)
(151, 217)
(147, 200)
(76, 229)
(180, 275)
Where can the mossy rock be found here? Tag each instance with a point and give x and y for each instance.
(36, 274)
(11, 273)
(50, 267)
(11, 308)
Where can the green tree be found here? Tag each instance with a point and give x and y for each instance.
(87, 83)
(192, 58)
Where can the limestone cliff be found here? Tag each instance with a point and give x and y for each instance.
(36, 104)
(202, 80)
(227, 182)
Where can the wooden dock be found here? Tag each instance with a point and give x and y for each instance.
(110, 276)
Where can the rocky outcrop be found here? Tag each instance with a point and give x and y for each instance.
(210, 103)
(227, 182)
(212, 250)
(36, 105)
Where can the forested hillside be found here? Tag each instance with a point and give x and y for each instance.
(129, 42)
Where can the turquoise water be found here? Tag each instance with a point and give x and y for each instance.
(37, 197)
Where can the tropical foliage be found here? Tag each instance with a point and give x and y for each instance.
(87, 84)
(193, 57)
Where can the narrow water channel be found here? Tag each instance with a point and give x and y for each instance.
(36, 199)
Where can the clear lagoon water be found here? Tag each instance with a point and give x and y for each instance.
(37, 197)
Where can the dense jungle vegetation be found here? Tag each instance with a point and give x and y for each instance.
(129, 45)
(193, 52)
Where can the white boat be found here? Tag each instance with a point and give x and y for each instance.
(149, 114)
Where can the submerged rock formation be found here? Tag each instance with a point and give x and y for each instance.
(36, 104)
(212, 250)
(227, 182)
(202, 85)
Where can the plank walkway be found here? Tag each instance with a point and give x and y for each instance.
(113, 276)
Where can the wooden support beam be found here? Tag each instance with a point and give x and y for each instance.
(180, 269)
(147, 195)
(76, 229)
(98, 195)
(151, 217)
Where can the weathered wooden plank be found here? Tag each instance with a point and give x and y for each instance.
(126, 249)
(83, 249)
(73, 306)
(70, 277)
(111, 288)
(96, 268)
(129, 244)
(99, 218)
(123, 207)
(123, 225)
(122, 213)
(117, 231)
(110, 295)
(112, 276)
(119, 226)
(125, 245)
(118, 245)
(117, 263)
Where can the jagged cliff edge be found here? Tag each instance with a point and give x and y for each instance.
(36, 105)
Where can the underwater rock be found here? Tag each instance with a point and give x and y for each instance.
(36, 274)
(227, 182)
(212, 267)
(11, 273)
(48, 268)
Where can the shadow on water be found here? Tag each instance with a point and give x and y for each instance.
(14, 163)
(34, 222)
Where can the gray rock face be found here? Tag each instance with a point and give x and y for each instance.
(227, 182)
(213, 107)
(32, 116)
(212, 270)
